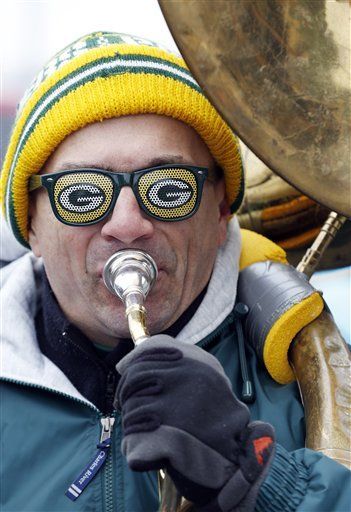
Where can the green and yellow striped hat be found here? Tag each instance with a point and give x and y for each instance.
(100, 76)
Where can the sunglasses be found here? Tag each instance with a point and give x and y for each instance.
(85, 196)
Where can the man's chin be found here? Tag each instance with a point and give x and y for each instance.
(157, 305)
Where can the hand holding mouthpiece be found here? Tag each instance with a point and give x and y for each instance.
(130, 274)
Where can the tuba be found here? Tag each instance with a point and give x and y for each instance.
(278, 72)
(130, 274)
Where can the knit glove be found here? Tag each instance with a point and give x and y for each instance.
(179, 413)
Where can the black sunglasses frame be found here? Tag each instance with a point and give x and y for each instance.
(119, 179)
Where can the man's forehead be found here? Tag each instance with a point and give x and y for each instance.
(130, 143)
(162, 159)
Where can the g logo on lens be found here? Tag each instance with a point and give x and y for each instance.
(81, 198)
(169, 193)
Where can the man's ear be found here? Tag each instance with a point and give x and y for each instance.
(223, 211)
(32, 231)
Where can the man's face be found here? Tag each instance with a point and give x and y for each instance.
(184, 251)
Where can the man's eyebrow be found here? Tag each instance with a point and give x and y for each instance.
(166, 159)
(154, 162)
(69, 166)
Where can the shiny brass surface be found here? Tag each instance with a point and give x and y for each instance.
(136, 316)
(322, 364)
(130, 274)
(329, 230)
(170, 499)
(279, 72)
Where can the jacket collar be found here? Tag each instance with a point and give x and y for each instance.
(22, 361)
(21, 358)
(221, 292)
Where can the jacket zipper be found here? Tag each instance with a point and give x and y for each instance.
(107, 426)
(108, 471)
(87, 475)
(107, 423)
(108, 476)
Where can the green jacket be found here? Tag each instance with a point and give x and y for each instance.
(50, 432)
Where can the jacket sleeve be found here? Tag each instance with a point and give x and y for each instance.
(305, 481)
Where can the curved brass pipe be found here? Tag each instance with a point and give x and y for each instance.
(322, 363)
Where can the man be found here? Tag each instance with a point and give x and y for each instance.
(132, 155)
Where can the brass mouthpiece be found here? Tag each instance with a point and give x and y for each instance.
(130, 274)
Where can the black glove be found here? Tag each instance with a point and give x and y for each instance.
(179, 413)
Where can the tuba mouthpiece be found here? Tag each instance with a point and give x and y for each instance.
(130, 274)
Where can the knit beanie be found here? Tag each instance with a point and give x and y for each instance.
(101, 76)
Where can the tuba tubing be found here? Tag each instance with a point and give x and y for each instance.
(130, 275)
(321, 361)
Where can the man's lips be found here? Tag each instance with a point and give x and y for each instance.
(156, 288)
(163, 255)
(160, 272)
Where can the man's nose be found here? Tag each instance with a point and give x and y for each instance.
(127, 223)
